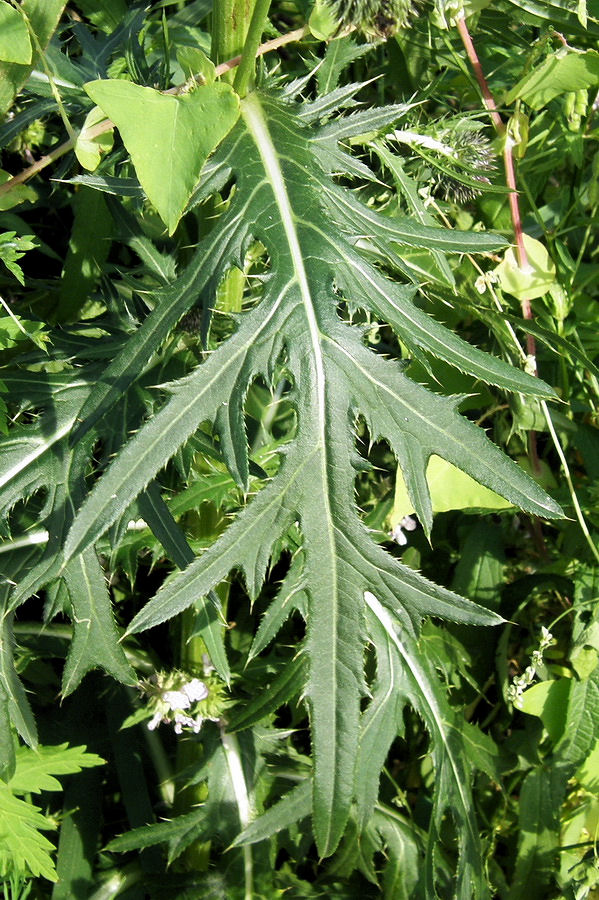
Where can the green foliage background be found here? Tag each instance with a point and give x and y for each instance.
(298, 513)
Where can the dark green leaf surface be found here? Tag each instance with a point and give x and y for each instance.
(310, 227)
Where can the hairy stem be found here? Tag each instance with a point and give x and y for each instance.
(230, 24)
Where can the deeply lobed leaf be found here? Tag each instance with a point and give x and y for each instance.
(312, 228)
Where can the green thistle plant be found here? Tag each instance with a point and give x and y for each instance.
(459, 156)
(184, 701)
(474, 153)
(375, 18)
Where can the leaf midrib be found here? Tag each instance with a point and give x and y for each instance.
(253, 115)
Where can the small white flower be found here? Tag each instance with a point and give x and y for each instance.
(176, 699)
(183, 721)
(195, 690)
(155, 720)
(198, 722)
(408, 523)
(546, 637)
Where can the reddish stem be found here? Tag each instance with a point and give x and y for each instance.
(510, 177)
(508, 156)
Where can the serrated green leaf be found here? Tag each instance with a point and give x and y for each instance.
(169, 137)
(290, 683)
(380, 723)
(312, 230)
(7, 745)
(581, 728)
(148, 835)
(95, 637)
(554, 342)
(339, 54)
(403, 869)
(208, 624)
(408, 189)
(36, 769)
(160, 520)
(292, 808)
(452, 770)
(109, 184)
(29, 457)
(291, 596)
(541, 795)
(24, 851)
(17, 704)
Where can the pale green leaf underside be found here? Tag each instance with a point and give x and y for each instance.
(311, 228)
(15, 43)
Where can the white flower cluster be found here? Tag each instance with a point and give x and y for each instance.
(177, 701)
(518, 686)
(408, 523)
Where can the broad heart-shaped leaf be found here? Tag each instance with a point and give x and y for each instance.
(169, 138)
(312, 227)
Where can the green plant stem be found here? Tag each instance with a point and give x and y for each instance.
(190, 752)
(234, 27)
(245, 72)
(160, 761)
(230, 23)
(568, 477)
(42, 57)
(123, 879)
(233, 756)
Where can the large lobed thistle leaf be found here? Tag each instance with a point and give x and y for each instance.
(283, 163)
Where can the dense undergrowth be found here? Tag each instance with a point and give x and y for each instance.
(299, 452)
